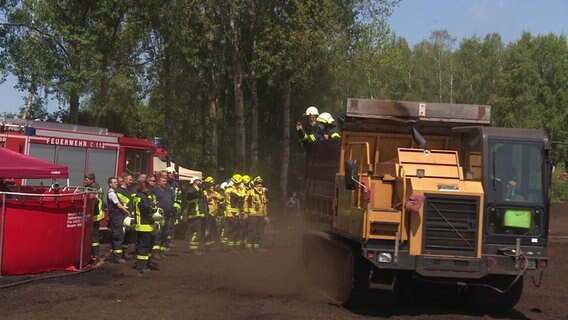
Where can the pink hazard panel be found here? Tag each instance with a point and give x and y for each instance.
(414, 202)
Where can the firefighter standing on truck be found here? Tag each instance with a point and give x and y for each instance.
(255, 207)
(196, 213)
(330, 130)
(117, 213)
(309, 131)
(98, 215)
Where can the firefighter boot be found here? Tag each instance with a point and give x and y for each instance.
(142, 266)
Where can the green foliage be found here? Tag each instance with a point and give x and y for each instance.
(165, 68)
(559, 185)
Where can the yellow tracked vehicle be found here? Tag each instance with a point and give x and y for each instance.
(426, 193)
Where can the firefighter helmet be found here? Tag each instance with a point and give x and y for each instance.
(209, 179)
(171, 169)
(257, 180)
(192, 180)
(237, 178)
(325, 118)
(312, 111)
(246, 179)
(128, 222)
(158, 215)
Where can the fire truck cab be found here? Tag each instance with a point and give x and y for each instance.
(82, 148)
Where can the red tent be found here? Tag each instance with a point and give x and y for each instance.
(18, 166)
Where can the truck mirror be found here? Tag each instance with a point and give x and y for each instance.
(351, 174)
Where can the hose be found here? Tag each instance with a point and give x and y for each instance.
(21, 282)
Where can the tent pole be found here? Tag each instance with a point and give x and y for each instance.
(2, 229)
(83, 230)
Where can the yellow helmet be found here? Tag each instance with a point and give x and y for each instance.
(246, 179)
(237, 178)
(257, 180)
(209, 179)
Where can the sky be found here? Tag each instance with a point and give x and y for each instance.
(416, 19)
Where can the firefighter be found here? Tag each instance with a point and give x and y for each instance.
(308, 132)
(330, 130)
(255, 207)
(145, 206)
(223, 228)
(117, 213)
(151, 183)
(166, 202)
(98, 214)
(234, 198)
(243, 229)
(142, 177)
(213, 221)
(173, 181)
(174, 217)
(196, 213)
(125, 198)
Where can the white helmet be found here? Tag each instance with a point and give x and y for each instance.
(193, 179)
(128, 222)
(171, 169)
(325, 118)
(158, 215)
(224, 185)
(157, 228)
(312, 111)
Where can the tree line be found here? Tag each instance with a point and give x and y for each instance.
(224, 81)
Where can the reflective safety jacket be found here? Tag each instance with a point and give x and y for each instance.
(178, 199)
(255, 202)
(125, 198)
(144, 204)
(98, 210)
(234, 200)
(333, 132)
(309, 133)
(176, 192)
(214, 199)
(196, 202)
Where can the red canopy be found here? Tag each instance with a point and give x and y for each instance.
(18, 166)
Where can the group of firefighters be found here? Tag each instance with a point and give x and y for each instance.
(230, 216)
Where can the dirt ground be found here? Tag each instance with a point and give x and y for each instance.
(271, 285)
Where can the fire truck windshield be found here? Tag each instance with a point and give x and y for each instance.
(136, 161)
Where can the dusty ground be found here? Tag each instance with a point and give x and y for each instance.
(246, 286)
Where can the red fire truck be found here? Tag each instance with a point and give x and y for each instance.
(82, 148)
